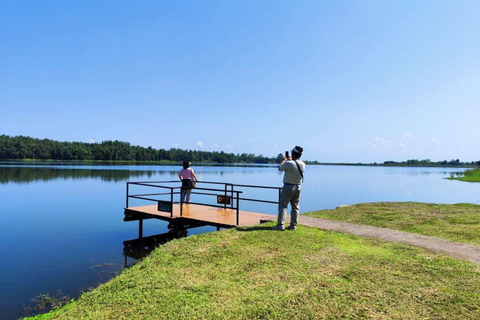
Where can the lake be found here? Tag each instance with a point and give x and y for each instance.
(62, 229)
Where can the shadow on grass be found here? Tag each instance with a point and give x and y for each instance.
(263, 227)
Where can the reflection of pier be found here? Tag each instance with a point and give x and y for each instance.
(222, 210)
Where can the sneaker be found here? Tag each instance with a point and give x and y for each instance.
(293, 228)
(277, 228)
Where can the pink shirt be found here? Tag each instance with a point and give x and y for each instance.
(186, 173)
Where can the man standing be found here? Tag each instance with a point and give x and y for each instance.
(292, 182)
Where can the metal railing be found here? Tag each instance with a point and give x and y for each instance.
(228, 192)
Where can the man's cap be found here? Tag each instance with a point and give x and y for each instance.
(297, 149)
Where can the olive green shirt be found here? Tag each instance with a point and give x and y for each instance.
(292, 174)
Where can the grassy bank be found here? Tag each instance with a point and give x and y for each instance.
(472, 175)
(308, 274)
(459, 222)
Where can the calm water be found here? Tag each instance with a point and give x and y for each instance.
(62, 226)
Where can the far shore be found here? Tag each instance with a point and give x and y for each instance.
(239, 164)
(472, 175)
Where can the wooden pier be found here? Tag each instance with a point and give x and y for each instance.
(220, 217)
(224, 213)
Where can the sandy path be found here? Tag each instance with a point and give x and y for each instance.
(455, 249)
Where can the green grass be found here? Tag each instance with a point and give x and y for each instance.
(458, 222)
(472, 175)
(257, 273)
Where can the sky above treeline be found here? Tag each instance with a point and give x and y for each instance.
(349, 81)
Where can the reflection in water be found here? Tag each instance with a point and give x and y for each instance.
(15, 173)
(130, 163)
(138, 249)
(31, 174)
(44, 203)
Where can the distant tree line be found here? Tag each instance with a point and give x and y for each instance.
(428, 163)
(22, 147)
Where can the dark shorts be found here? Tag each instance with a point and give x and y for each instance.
(187, 184)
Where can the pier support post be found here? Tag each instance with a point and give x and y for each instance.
(140, 228)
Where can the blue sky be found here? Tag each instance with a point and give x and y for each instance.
(350, 81)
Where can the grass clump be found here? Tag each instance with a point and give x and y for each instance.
(472, 175)
(457, 222)
(256, 273)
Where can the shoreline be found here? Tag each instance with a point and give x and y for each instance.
(471, 175)
(239, 164)
(212, 254)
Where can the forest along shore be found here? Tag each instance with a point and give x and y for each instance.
(32, 149)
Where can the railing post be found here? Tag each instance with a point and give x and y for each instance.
(231, 194)
(181, 202)
(171, 202)
(225, 204)
(238, 206)
(128, 183)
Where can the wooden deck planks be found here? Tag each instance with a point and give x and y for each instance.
(215, 216)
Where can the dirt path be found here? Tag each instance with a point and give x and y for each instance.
(455, 249)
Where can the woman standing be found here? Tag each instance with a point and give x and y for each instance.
(187, 176)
